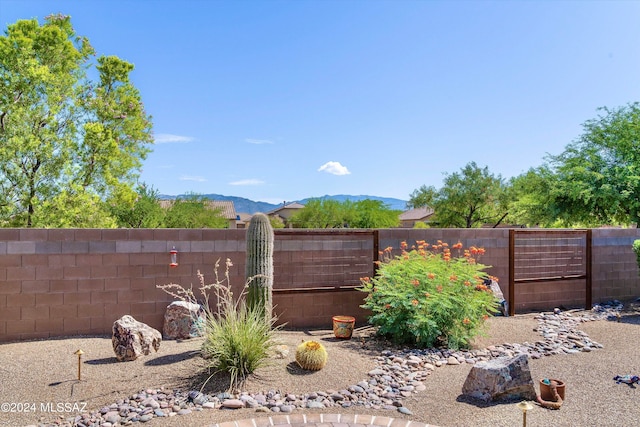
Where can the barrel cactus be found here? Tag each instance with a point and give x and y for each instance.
(311, 355)
(259, 265)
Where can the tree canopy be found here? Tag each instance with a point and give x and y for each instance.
(597, 177)
(192, 211)
(327, 213)
(65, 141)
(468, 199)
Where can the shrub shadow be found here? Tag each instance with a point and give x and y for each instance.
(294, 369)
(632, 319)
(172, 358)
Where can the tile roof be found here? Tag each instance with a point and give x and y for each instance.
(226, 207)
(292, 205)
(416, 214)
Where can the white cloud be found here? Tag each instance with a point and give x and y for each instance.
(167, 138)
(192, 178)
(247, 182)
(258, 141)
(334, 168)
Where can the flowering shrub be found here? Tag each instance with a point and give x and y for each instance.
(428, 297)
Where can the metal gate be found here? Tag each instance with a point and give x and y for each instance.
(546, 256)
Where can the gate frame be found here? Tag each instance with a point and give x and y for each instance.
(587, 276)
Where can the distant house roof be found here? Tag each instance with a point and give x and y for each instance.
(227, 209)
(416, 214)
(245, 217)
(287, 206)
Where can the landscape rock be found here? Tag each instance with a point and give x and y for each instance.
(132, 339)
(501, 378)
(183, 320)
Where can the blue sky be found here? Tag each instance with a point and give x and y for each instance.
(282, 100)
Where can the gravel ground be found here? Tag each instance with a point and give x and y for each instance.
(43, 374)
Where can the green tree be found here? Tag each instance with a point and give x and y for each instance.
(468, 199)
(421, 197)
(328, 213)
(598, 175)
(322, 213)
(74, 208)
(144, 212)
(194, 211)
(65, 139)
(374, 214)
(533, 197)
(276, 222)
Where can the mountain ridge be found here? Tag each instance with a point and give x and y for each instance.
(244, 205)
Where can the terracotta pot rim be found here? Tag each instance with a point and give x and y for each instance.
(560, 382)
(344, 318)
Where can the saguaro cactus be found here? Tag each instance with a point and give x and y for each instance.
(259, 266)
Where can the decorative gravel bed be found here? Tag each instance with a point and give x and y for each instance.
(361, 377)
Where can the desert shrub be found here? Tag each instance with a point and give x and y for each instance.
(426, 297)
(237, 339)
(636, 249)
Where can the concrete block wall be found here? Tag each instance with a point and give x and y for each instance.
(313, 271)
(79, 281)
(63, 282)
(614, 268)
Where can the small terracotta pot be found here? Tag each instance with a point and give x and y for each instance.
(545, 390)
(343, 326)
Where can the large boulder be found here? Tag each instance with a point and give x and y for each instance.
(132, 339)
(183, 320)
(502, 378)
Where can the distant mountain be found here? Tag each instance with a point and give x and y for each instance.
(243, 205)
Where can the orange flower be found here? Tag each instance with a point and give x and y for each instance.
(480, 251)
(415, 282)
(481, 288)
(380, 253)
(431, 276)
(403, 245)
(439, 288)
(414, 302)
(466, 321)
(473, 250)
(457, 245)
(427, 294)
(485, 316)
(365, 279)
(387, 306)
(388, 249)
(453, 278)
(466, 253)
(467, 283)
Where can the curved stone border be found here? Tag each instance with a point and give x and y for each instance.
(323, 420)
